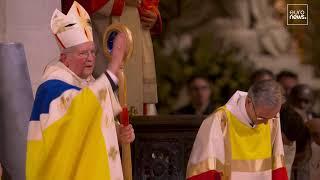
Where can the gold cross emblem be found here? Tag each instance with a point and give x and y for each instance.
(64, 101)
(113, 153)
(103, 94)
(84, 21)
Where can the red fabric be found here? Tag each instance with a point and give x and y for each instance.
(153, 5)
(280, 174)
(66, 5)
(157, 28)
(117, 8)
(91, 6)
(145, 108)
(124, 116)
(209, 175)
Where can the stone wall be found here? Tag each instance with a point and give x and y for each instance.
(28, 22)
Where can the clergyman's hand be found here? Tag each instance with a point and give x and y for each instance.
(126, 134)
(118, 52)
(148, 19)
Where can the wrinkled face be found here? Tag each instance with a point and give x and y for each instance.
(288, 83)
(262, 114)
(80, 59)
(199, 91)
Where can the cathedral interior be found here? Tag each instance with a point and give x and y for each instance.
(225, 41)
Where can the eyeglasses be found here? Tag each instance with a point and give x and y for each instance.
(85, 54)
(262, 119)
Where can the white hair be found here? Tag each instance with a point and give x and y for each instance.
(266, 93)
(68, 50)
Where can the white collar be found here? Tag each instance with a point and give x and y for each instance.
(236, 105)
(61, 72)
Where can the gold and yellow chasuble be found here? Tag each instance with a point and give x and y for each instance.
(72, 133)
(228, 147)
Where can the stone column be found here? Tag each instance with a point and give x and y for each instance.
(15, 108)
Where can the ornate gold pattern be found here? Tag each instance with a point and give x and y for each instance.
(204, 166)
(118, 27)
(278, 162)
(59, 23)
(103, 94)
(251, 165)
(113, 153)
(73, 28)
(227, 145)
(64, 102)
(84, 22)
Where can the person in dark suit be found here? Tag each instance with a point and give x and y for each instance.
(200, 93)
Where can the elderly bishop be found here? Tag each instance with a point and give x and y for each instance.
(72, 131)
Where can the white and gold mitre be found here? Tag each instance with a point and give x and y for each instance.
(72, 29)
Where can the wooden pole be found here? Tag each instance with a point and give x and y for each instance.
(124, 115)
(124, 120)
